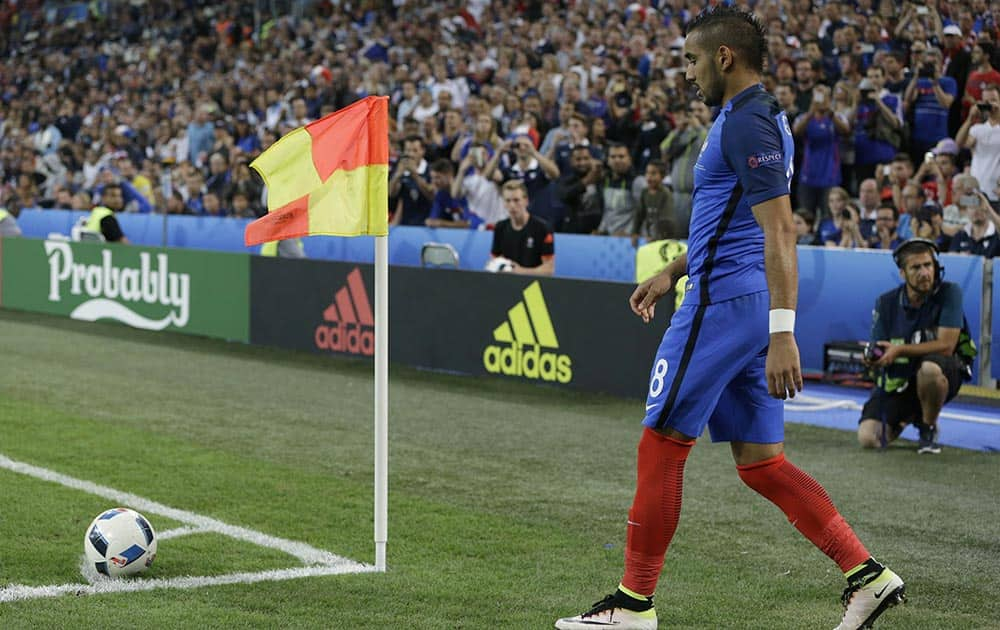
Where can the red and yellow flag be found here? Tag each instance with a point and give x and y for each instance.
(330, 177)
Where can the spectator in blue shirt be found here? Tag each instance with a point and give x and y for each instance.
(876, 107)
(928, 98)
(200, 136)
(447, 211)
(410, 188)
(886, 222)
(820, 170)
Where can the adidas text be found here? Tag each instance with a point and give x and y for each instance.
(528, 361)
(351, 338)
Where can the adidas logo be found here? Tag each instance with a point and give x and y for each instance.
(349, 320)
(528, 335)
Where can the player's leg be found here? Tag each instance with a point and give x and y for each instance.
(755, 427)
(652, 520)
(688, 375)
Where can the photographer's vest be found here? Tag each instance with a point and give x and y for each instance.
(96, 216)
(891, 308)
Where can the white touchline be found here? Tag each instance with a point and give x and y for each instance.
(328, 563)
(15, 592)
(180, 531)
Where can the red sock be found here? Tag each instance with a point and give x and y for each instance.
(807, 506)
(655, 509)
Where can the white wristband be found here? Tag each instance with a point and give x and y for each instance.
(781, 320)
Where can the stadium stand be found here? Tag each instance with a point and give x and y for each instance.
(174, 98)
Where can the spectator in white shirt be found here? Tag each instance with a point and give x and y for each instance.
(981, 133)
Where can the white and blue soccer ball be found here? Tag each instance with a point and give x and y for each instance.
(499, 264)
(120, 542)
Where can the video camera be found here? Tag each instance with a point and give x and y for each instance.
(873, 352)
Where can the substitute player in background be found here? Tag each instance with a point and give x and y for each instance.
(729, 357)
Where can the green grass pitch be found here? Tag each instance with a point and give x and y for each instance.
(507, 501)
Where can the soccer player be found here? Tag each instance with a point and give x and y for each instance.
(729, 357)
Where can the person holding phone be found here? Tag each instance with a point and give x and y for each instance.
(929, 97)
(877, 114)
(981, 134)
(983, 74)
(818, 130)
(979, 237)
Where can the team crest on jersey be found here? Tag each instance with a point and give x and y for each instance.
(763, 159)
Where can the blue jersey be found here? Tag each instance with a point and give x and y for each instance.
(746, 160)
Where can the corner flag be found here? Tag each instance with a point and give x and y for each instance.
(330, 177)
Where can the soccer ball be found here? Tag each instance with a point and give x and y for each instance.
(120, 542)
(499, 265)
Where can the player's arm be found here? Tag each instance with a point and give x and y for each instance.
(784, 373)
(643, 299)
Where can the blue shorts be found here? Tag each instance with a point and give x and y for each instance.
(709, 369)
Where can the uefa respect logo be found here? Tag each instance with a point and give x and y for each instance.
(763, 159)
(526, 342)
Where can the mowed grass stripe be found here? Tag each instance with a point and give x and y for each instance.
(507, 501)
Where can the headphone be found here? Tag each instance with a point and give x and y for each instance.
(899, 256)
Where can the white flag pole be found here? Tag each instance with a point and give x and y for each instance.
(381, 398)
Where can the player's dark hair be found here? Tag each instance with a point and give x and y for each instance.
(740, 30)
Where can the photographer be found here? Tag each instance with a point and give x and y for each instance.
(920, 343)
(983, 75)
(623, 91)
(847, 232)
(410, 185)
(886, 223)
(928, 98)
(819, 129)
(519, 159)
(577, 190)
(877, 124)
(981, 134)
(682, 147)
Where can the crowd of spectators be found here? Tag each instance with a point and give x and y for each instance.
(895, 108)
